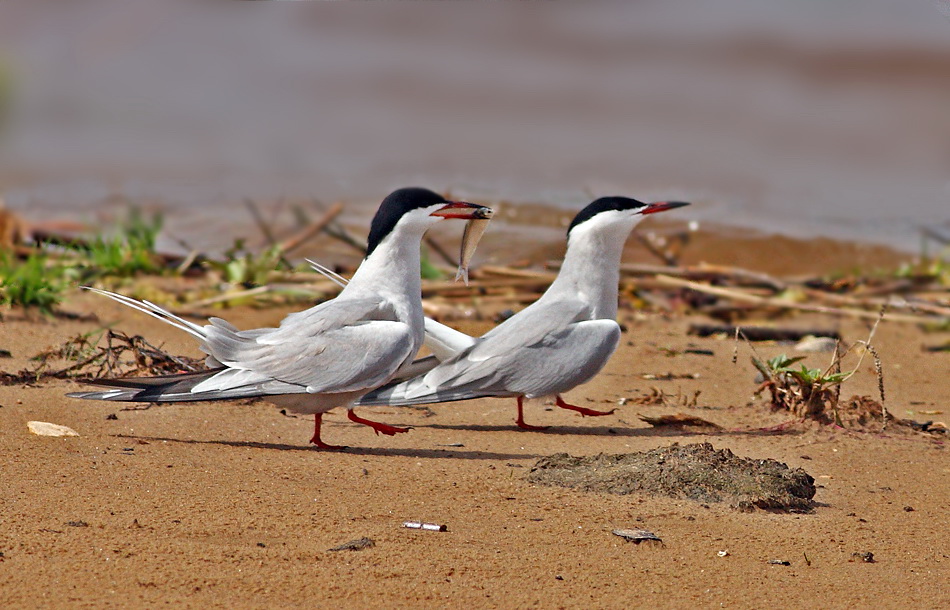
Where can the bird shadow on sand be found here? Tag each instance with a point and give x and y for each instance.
(440, 453)
(552, 430)
(620, 431)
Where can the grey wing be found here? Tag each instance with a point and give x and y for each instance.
(566, 360)
(339, 346)
(179, 388)
(503, 345)
(540, 357)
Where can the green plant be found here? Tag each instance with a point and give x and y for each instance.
(129, 252)
(815, 393)
(428, 269)
(31, 283)
(931, 265)
(801, 390)
(245, 268)
(143, 231)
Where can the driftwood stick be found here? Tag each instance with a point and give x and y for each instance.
(653, 283)
(702, 271)
(654, 248)
(187, 262)
(518, 297)
(322, 288)
(315, 227)
(708, 272)
(339, 232)
(476, 287)
(334, 229)
(912, 305)
(230, 296)
(742, 276)
(265, 228)
(761, 333)
(442, 252)
(489, 270)
(895, 287)
(738, 295)
(262, 224)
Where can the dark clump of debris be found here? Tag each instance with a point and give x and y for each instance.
(355, 545)
(680, 421)
(636, 535)
(865, 556)
(697, 472)
(107, 354)
(859, 412)
(866, 414)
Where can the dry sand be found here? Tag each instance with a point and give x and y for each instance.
(226, 505)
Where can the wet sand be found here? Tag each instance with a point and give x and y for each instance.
(226, 505)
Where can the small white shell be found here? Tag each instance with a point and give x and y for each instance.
(42, 428)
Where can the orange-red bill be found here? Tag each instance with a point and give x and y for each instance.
(662, 206)
(463, 210)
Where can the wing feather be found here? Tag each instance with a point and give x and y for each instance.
(339, 346)
(343, 345)
(539, 357)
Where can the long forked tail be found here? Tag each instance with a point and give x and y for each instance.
(198, 332)
(217, 383)
(167, 388)
(155, 311)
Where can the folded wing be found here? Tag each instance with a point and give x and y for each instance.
(531, 356)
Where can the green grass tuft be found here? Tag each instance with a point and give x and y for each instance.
(131, 251)
(244, 268)
(31, 283)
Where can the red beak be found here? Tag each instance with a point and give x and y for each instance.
(463, 210)
(662, 206)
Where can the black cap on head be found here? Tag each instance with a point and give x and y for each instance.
(602, 205)
(392, 209)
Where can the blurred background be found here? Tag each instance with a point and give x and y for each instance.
(782, 116)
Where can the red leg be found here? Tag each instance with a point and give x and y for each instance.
(520, 421)
(375, 425)
(317, 419)
(582, 410)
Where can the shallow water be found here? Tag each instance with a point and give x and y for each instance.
(800, 118)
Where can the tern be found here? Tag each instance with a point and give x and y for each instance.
(557, 343)
(326, 356)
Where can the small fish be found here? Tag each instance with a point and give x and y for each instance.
(474, 229)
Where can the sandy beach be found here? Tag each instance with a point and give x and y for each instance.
(226, 505)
